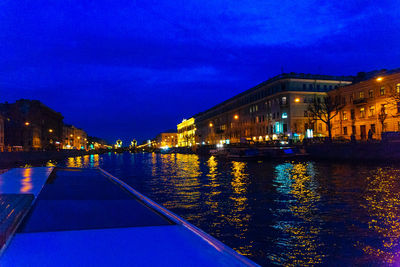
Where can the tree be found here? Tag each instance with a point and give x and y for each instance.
(325, 109)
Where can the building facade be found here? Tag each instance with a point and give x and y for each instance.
(186, 133)
(30, 125)
(273, 110)
(74, 138)
(167, 140)
(370, 107)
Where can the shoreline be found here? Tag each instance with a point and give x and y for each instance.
(14, 159)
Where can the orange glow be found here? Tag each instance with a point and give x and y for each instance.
(211, 125)
(297, 100)
(50, 130)
(27, 123)
(236, 117)
(71, 135)
(26, 182)
(379, 79)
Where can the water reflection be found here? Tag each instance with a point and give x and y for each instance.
(383, 205)
(299, 220)
(26, 181)
(285, 213)
(238, 217)
(90, 161)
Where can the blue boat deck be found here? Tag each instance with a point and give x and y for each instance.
(87, 217)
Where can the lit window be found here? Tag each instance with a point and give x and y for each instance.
(398, 88)
(284, 100)
(382, 90)
(372, 110)
(345, 115)
(361, 94)
(362, 112)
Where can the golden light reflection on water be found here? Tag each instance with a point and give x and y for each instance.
(383, 204)
(83, 161)
(180, 174)
(213, 184)
(302, 245)
(26, 181)
(238, 217)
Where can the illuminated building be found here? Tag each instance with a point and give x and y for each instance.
(30, 125)
(362, 113)
(167, 139)
(187, 133)
(74, 138)
(274, 109)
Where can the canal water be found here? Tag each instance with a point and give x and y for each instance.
(285, 213)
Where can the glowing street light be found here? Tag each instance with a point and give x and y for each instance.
(50, 130)
(379, 79)
(236, 117)
(297, 100)
(211, 125)
(27, 123)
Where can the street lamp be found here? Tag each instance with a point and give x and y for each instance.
(236, 117)
(50, 130)
(27, 123)
(211, 125)
(379, 79)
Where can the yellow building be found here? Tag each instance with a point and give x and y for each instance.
(186, 133)
(167, 140)
(370, 107)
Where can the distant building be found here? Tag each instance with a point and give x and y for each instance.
(187, 133)
(370, 107)
(167, 139)
(97, 143)
(29, 124)
(74, 138)
(275, 109)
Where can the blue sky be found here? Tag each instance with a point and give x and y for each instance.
(130, 69)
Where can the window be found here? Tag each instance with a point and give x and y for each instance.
(398, 107)
(398, 88)
(382, 90)
(320, 127)
(371, 110)
(284, 100)
(304, 86)
(345, 115)
(371, 93)
(351, 98)
(310, 86)
(362, 112)
(353, 130)
(373, 129)
(345, 130)
(361, 94)
(386, 109)
(352, 114)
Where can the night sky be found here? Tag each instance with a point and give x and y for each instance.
(129, 69)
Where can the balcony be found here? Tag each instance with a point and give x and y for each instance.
(360, 101)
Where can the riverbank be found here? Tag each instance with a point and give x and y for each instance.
(12, 159)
